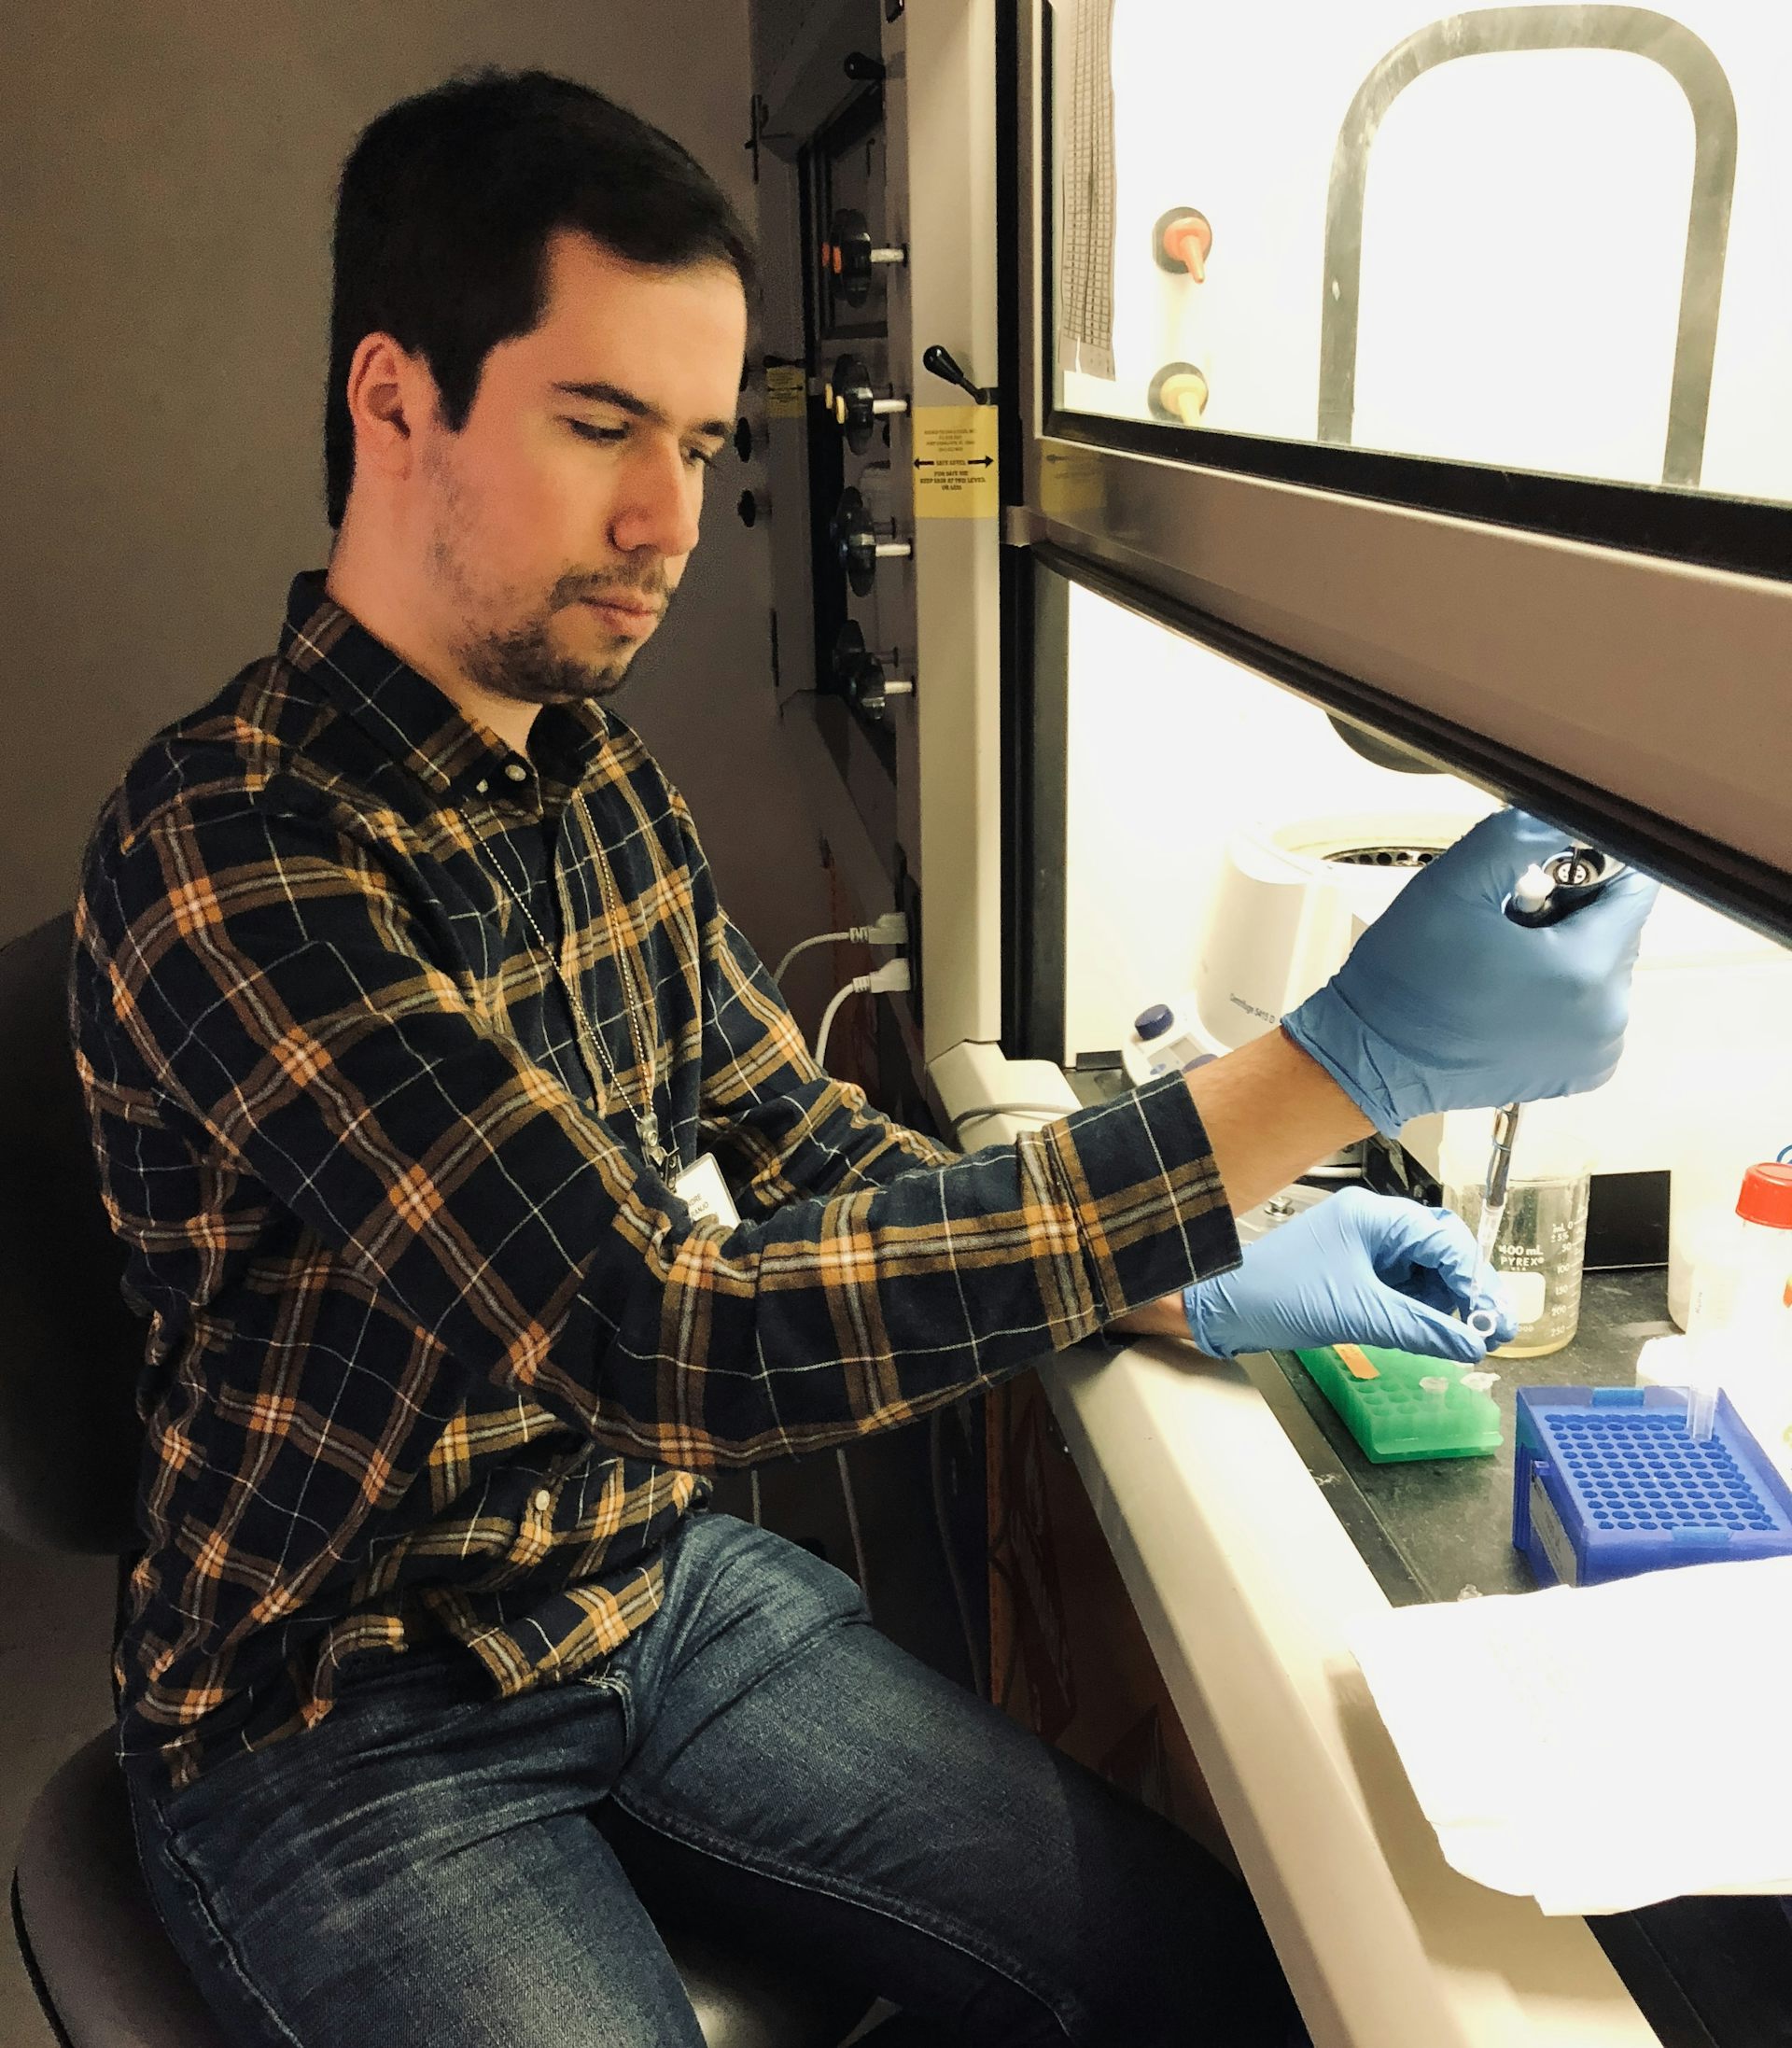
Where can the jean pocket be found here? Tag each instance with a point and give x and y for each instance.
(188, 1909)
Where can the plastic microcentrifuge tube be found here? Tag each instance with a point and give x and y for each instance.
(1702, 1410)
(1483, 1322)
(1478, 1382)
(1436, 1387)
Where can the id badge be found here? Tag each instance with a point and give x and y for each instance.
(702, 1191)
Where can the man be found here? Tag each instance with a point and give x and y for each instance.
(406, 1012)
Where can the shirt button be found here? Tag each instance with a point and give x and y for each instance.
(543, 1501)
(515, 771)
(481, 786)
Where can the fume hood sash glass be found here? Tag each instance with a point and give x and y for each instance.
(1497, 252)
(1627, 637)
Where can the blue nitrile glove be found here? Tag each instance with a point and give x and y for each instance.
(1445, 1003)
(1358, 1268)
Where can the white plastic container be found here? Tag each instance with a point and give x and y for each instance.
(1741, 1287)
(1164, 1039)
(1726, 1134)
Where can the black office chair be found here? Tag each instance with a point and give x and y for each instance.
(103, 1971)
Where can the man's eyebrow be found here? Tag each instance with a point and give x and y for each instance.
(639, 408)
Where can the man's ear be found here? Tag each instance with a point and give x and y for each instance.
(391, 394)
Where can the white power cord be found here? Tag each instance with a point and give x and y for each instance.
(891, 929)
(890, 977)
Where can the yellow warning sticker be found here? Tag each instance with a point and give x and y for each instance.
(786, 390)
(955, 462)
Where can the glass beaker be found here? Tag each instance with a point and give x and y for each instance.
(1539, 1254)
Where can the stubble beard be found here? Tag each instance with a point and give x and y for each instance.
(522, 663)
(520, 660)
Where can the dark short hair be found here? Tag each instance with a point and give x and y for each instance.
(445, 211)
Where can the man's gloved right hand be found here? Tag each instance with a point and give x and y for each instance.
(1445, 1003)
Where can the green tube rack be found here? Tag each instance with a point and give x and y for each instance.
(1393, 1417)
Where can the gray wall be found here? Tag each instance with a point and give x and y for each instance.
(167, 168)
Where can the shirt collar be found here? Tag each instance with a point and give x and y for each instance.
(453, 756)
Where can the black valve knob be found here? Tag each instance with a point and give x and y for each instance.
(848, 648)
(853, 257)
(860, 675)
(750, 506)
(862, 68)
(853, 666)
(855, 404)
(856, 545)
(743, 438)
(875, 689)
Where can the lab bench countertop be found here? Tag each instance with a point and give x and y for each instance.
(1710, 1973)
(1251, 1530)
(1441, 1528)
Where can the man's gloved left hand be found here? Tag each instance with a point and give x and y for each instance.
(1358, 1268)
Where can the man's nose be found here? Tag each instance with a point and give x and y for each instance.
(659, 504)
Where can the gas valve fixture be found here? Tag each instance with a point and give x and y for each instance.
(1181, 241)
(857, 543)
(854, 402)
(861, 675)
(853, 257)
(1178, 394)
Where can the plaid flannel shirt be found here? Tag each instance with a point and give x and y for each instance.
(432, 1352)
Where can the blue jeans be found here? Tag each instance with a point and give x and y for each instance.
(431, 1864)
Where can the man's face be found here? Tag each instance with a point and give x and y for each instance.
(560, 516)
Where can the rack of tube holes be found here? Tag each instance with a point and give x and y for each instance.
(1608, 1481)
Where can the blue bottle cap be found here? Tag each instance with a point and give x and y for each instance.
(1153, 1022)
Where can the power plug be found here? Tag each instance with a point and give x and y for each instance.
(890, 978)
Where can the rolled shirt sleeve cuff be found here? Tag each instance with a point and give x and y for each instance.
(1151, 1213)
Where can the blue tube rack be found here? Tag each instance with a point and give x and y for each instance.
(1608, 1483)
